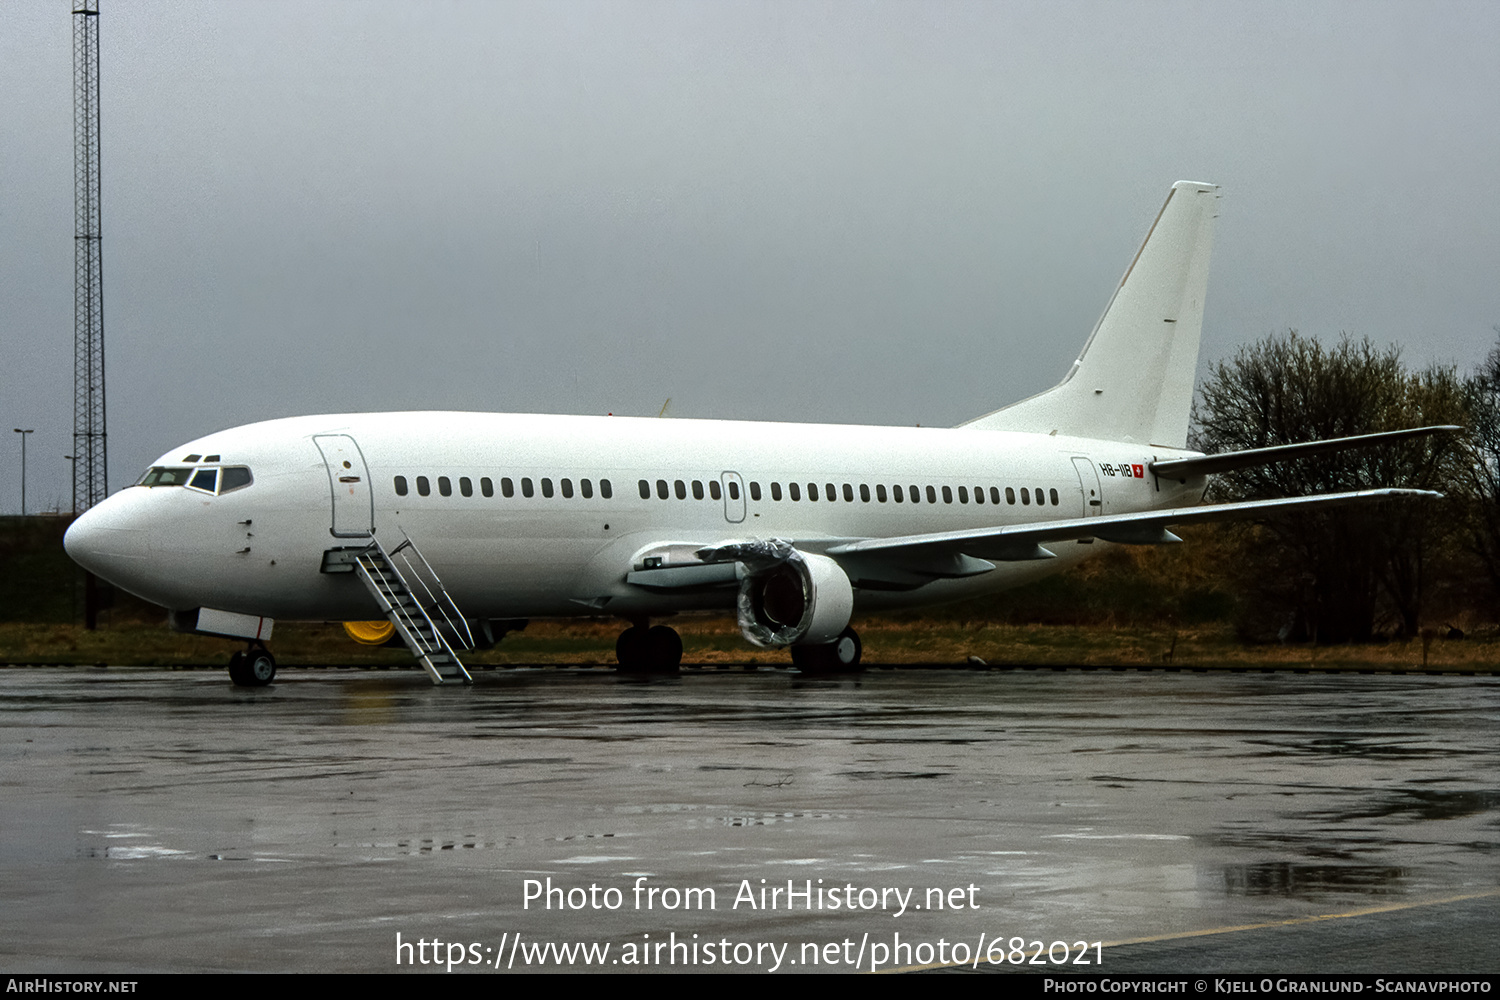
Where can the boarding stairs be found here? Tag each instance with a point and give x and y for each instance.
(414, 599)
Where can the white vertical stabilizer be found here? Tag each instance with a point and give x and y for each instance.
(1134, 379)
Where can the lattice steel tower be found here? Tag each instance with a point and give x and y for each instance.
(89, 467)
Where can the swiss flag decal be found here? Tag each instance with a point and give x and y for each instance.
(1140, 473)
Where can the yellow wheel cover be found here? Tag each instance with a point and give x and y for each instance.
(370, 633)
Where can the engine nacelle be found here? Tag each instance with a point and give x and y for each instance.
(801, 599)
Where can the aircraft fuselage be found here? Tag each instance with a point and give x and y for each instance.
(512, 509)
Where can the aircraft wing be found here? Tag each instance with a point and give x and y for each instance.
(1026, 541)
(909, 561)
(1207, 465)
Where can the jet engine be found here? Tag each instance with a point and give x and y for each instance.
(802, 599)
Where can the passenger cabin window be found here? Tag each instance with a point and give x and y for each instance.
(586, 488)
(547, 488)
(645, 490)
(507, 487)
(776, 491)
(1025, 496)
(897, 494)
(1010, 495)
(486, 486)
(466, 486)
(1053, 495)
(880, 492)
(794, 491)
(734, 490)
(864, 493)
(528, 488)
(567, 488)
(401, 486)
(661, 489)
(423, 486)
(754, 491)
(445, 486)
(605, 490)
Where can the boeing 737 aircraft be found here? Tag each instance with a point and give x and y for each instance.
(446, 529)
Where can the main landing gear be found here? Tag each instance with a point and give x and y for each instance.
(841, 656)
(253, 667)
(654, 650)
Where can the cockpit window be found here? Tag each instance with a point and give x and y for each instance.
(205, 479)
(163, 475)
(210, 480)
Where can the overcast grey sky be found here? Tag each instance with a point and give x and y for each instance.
(880, 212)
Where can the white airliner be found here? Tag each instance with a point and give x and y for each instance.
(443, 529)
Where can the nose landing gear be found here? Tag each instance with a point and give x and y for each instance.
(253, 667)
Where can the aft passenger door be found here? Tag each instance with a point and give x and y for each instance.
(349, 479)
(1088, 487)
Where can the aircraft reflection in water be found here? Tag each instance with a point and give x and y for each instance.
(792, 527)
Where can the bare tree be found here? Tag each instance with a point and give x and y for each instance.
(1482, 399)
(1332, 575)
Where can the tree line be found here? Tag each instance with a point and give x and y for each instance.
(1355, 573)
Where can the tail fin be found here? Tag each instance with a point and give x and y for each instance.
(1134, 379)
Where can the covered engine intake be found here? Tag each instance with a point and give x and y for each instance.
(806, 599)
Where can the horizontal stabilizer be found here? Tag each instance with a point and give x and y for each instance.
(1146, 527)
(1208, 465)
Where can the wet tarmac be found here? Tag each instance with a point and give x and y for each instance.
(155, 820)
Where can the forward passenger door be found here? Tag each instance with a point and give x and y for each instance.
(349, 479)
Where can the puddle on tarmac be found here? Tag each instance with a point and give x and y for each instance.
(1284, 878)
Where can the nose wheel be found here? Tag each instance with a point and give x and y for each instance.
(253, 667)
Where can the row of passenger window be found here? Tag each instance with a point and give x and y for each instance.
(682, 489)
(507, 487)
(829, 491)
(914, 493)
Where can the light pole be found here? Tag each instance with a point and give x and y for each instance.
(23, 434)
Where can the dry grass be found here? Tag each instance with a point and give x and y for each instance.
(714, 641)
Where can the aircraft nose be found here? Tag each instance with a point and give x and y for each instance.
(109, 541)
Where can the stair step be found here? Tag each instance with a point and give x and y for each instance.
(405, 610)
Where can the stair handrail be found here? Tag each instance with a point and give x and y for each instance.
(441, 601)
(396, 608)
